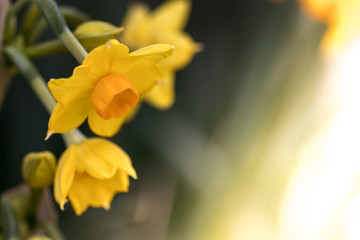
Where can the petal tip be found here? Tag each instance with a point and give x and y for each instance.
(106, 206)
(62, 204)
(49, 134)
(133, 174)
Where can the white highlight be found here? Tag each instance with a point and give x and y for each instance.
(320, 199)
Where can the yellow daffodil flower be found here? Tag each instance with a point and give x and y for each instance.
(105, 87)
(90, 173)
(343, 19)
(164, 25)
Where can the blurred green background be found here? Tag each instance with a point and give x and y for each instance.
(248, 94)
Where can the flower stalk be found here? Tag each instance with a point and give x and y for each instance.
(37, 83)
(73, 45)
(34, 201)
(8, 219)
(53, 16)
(52, 230)
(33, 77)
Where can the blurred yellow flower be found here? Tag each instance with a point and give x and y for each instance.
(164, 25)
(90, 173)
(105, 87)
(343, 19)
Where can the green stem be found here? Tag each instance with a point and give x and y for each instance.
(16, 7)
(52, 230)
(73, 137)
(33, 77)
(38, 84)
(45, 48)
(35, 196)
(72, 16)
(29, 20)
(73, 44)
(40, 88)
(37, 30)
(52, 14)
(11, 230)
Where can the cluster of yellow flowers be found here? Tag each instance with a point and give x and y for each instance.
(106, 88)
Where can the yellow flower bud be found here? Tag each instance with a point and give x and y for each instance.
(94, 33)
(38, 169)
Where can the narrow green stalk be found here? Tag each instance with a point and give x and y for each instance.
(37, 83)
(39, 86)
(72, 137)
(8, 219)
(36, 31)
(72, 16)
(29, 20)
(35, 196)
(52, 230)
(33, 77)
(73, 44)
(53, 16)
(45, 48)
(16, 7)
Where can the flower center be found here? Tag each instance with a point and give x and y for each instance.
(113, 95)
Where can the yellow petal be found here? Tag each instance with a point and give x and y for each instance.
(136, 22)
(78, 86)
(185, 49)
(144, 77)
(64, 175)
(88, 191)
(68, 117)
(170, 16)
(102, 127)
(94, 164)
(162, 95)
(140, 68)
(101, 58)
(153, 53)
(111, 153)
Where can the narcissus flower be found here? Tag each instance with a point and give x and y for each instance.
(165, 24)
(90, 173)
(343, 19)
(105, 87)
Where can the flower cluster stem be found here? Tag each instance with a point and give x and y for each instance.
(34, 200)
(33, 77)
(16, 7)
(52, 230)
(73, 45)
(8, 219)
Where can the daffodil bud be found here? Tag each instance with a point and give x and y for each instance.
(95, 33)
(38, 169)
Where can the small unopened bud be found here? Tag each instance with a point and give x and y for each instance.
(38, 169)
(95, 33)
